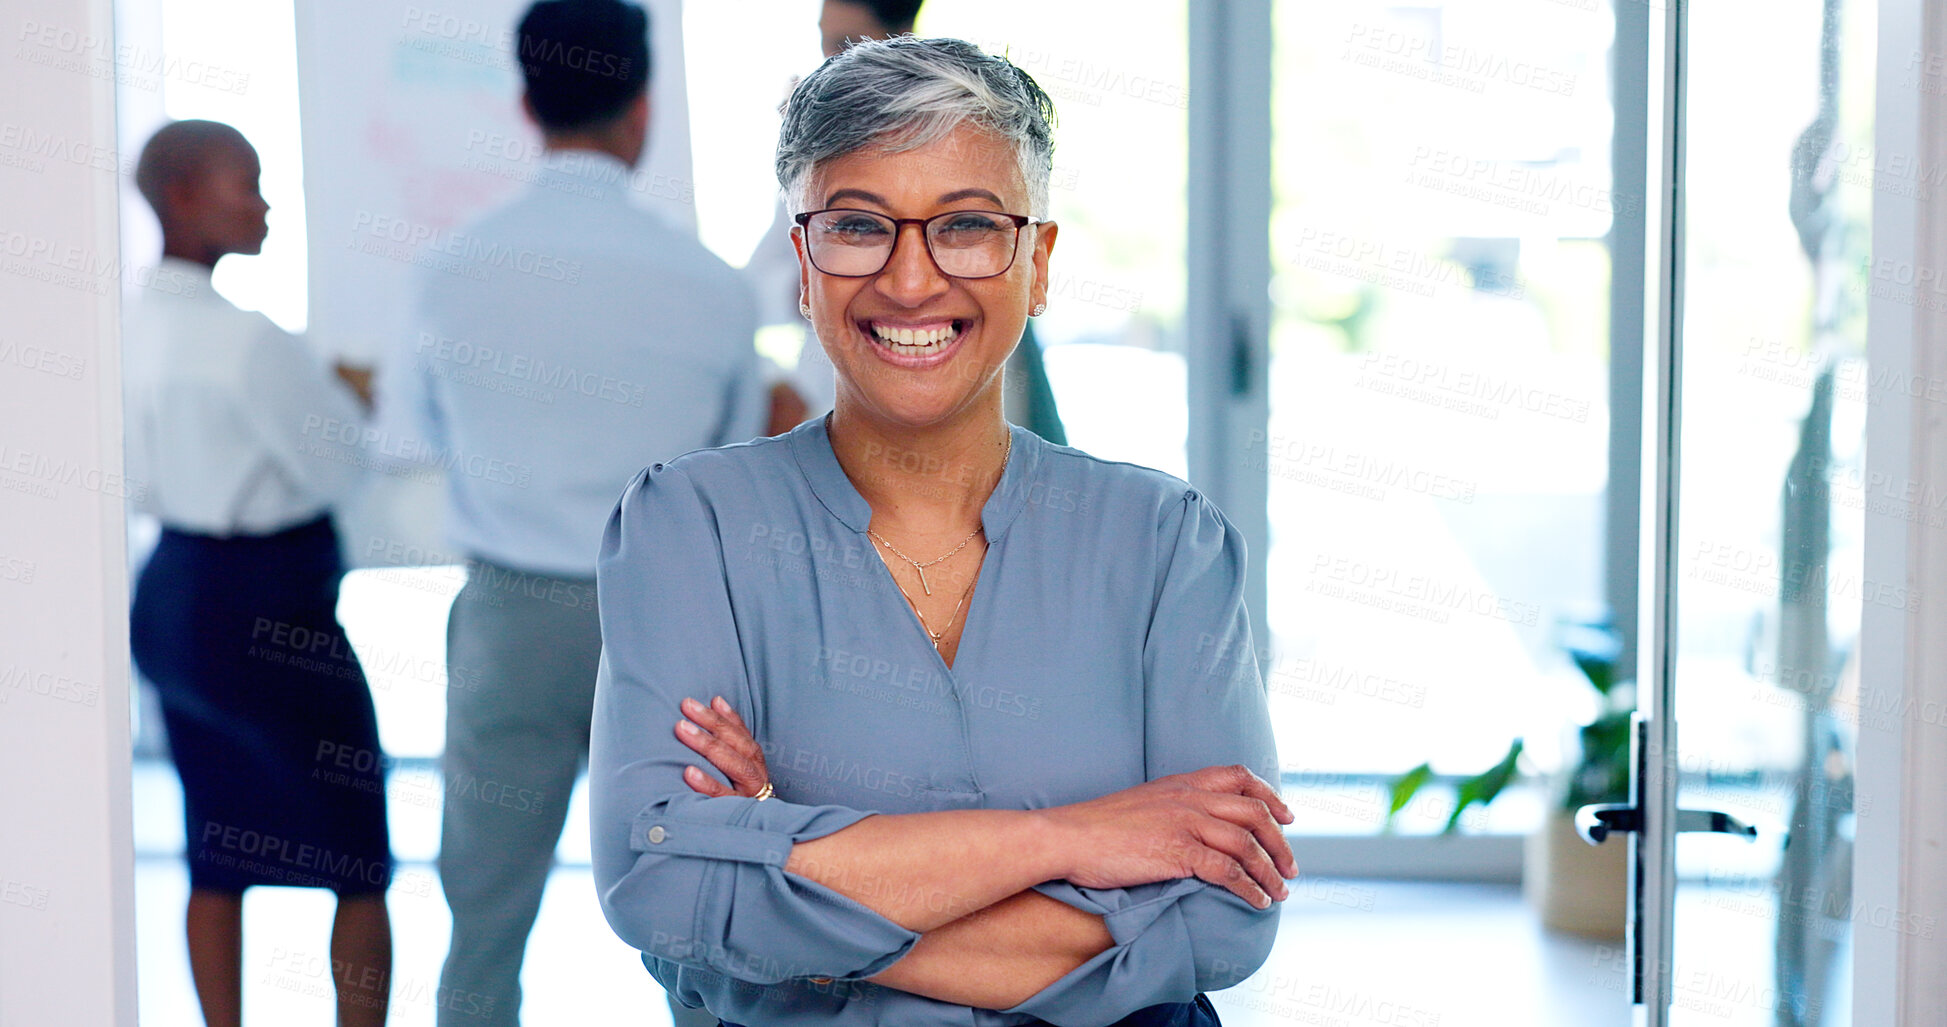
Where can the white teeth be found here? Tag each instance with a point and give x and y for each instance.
(915, 342)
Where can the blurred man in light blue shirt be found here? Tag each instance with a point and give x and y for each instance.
(562, 343)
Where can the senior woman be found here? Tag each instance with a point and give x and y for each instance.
(987, 708)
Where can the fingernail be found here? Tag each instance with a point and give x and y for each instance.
(688, 728)
(689, 704)
(721, 704)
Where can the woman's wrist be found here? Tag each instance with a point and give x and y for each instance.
(1048, 846)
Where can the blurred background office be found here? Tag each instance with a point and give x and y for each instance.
(1426, 419)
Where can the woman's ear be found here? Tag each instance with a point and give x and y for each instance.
(804, 270)
(1044, 244)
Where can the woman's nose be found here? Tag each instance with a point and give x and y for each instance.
(910, 277)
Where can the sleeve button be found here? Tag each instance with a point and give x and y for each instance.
(657, 834)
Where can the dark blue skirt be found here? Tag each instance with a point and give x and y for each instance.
(1174, 1014)
(270, 723)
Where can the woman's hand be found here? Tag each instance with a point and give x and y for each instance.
(718, 734)
(1220, 824)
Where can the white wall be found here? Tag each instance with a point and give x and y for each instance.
(67, 928)
(1900, 877)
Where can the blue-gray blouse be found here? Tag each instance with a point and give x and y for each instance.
(1105, 644)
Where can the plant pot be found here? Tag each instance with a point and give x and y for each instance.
(1577, 887)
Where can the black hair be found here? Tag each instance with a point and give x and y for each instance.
(897, 15)
(584, 61)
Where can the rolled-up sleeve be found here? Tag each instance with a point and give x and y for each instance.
(1204, 706)
(687, 879)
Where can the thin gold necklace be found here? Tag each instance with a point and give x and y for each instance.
(937, 636)
(920, 568)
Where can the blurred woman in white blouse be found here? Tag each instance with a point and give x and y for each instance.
(241, 443)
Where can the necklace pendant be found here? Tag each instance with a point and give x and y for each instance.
(921, 571)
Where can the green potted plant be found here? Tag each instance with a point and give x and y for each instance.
(1576, 887)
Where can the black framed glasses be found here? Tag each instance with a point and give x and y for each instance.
(847, 243)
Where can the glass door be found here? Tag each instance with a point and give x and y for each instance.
(1757, 499)
(1768, 575)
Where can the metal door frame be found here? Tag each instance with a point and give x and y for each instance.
(1653, 849)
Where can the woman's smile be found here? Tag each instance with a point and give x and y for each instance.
(916, 345)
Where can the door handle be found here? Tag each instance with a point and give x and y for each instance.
(1597, 822)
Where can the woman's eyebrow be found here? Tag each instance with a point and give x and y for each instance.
(957, 194)
(861, 194)
(970, 194)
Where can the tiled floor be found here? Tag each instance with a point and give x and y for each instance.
(1350, 953)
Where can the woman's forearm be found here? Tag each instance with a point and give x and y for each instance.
(1000, 956)
(925, 870)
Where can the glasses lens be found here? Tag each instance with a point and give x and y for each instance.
(849, 242)
(972, 243)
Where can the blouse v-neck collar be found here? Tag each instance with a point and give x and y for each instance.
(811, 445)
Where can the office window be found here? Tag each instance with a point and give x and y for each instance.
(1437, 446)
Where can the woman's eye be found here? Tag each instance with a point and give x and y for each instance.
(855, 228)
(972, 224)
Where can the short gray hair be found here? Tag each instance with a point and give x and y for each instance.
(903, 93)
